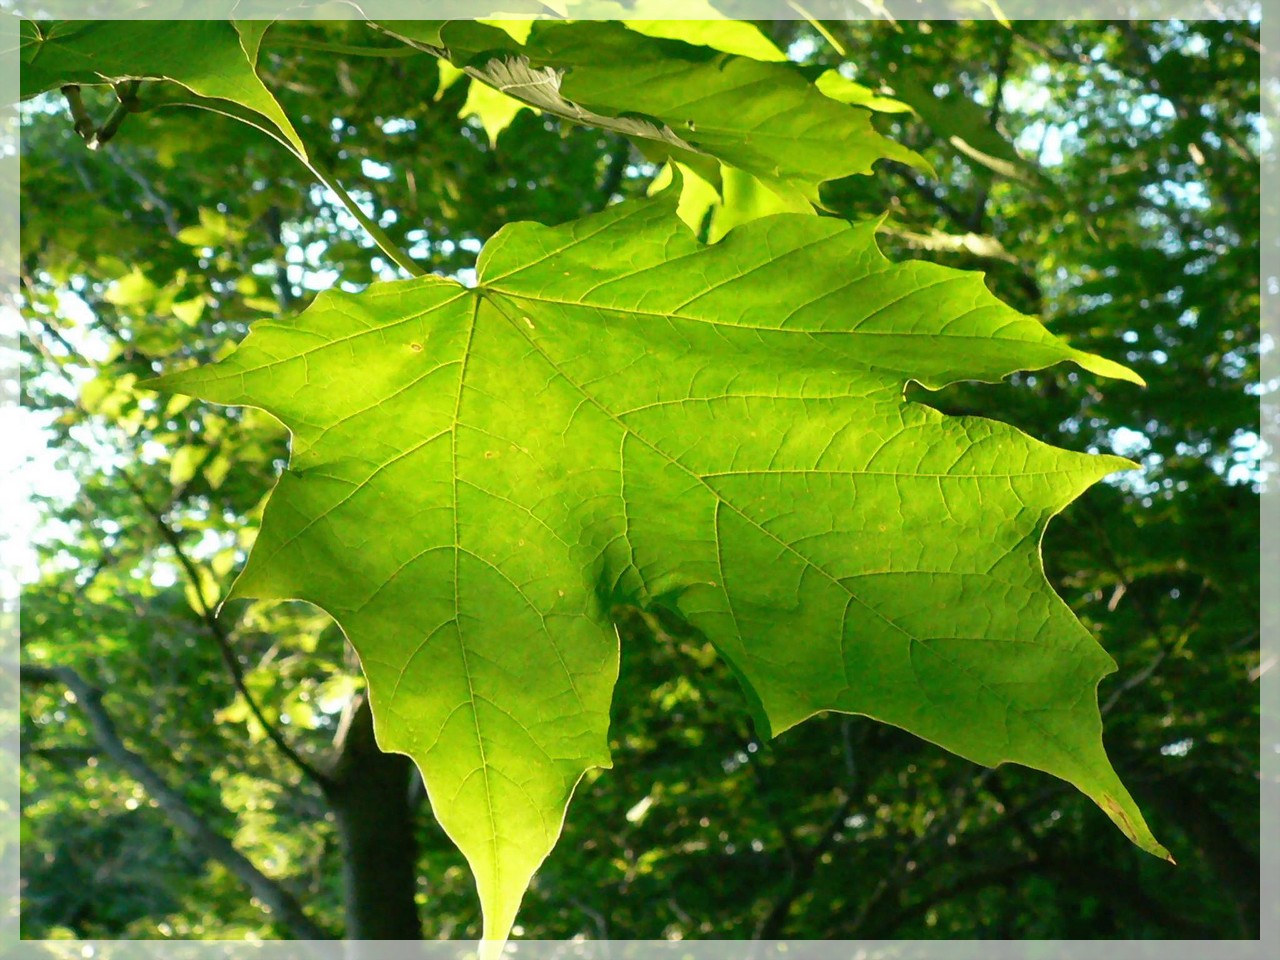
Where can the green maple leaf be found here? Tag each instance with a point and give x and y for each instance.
(678, 100)
(617, 414)
(213, 59)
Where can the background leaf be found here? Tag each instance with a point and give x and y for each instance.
(784, 131)
(204, 56)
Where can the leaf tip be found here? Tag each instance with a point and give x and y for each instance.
(1110, 463)
(1108, 368)
(170, 384)
(1126, 816)
(915, 159)
(1133, 377)
(179, 381)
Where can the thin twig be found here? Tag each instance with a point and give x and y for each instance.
(148, 191)
(1003, 59)
(127, 103)
(220, 636)
(925, 189)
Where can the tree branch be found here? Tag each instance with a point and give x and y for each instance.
(207, 615)
(803, 863)
(1003, 58)
(220, 636)
(921, 185)
(773, 923)
(278, 901)
(376, 824)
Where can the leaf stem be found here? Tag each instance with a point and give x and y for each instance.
(84, 124)
(376, 233)
(127, 97)
(298, 151)
(820, 27)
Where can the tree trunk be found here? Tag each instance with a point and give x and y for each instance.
(369, 792)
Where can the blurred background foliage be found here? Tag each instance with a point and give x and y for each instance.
(1104, 175)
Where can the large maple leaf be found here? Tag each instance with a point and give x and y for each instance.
(618, 414)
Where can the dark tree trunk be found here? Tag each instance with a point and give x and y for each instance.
(369, 792)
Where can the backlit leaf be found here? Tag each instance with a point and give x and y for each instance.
(678, 100)
(617, 414)
(213, 59)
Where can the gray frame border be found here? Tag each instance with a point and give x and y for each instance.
(1269, 682)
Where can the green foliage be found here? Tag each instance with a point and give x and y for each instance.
(616, 414)
(843, 828)
(211, 58)
(761, 117)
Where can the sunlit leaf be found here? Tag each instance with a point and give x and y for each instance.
(213, 59)
(678, 100)
(617, 414)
